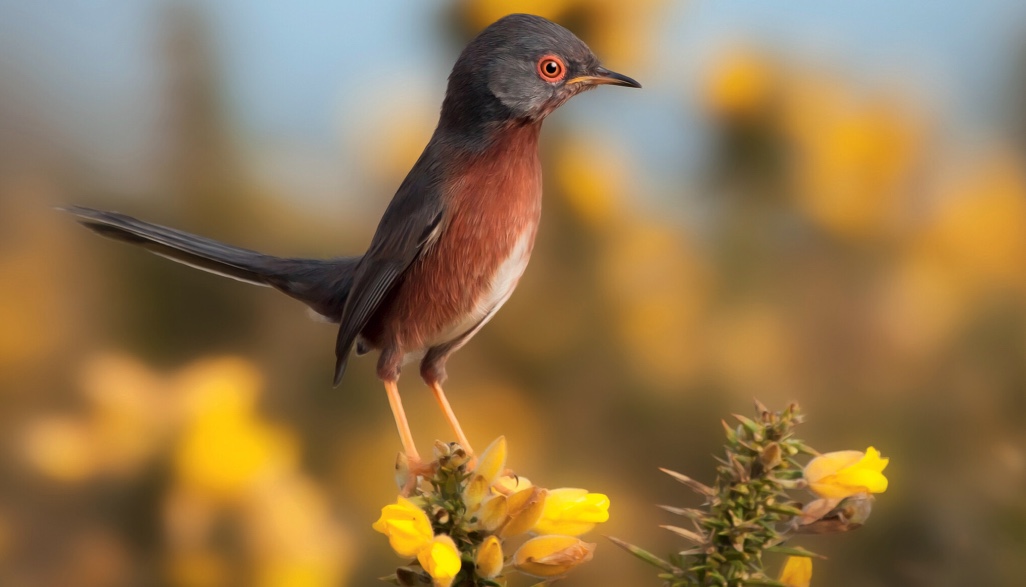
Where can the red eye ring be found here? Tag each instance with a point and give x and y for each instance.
(551, 68)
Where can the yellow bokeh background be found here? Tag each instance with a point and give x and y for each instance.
(840, 242)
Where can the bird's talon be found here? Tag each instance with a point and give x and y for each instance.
(409, 472)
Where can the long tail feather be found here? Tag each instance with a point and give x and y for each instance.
(322, 284)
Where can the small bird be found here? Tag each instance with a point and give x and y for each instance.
(456, 237)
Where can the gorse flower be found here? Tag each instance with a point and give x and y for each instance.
(489, 560)
(458, 519)
(441, 559)
(549, 557)
(572, 512)
(797, 571)
(749, 511)
(407, 527)
(846, 473)
(523, 510)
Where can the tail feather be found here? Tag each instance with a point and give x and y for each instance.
(322, 284)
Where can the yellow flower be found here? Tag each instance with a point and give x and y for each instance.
(524, 510)
(227, 448)
(742, 86)
(441, 559)
(407, 527)
(572, 512)
(489, 465)
(489, 558)
(797, 571)
(552, 556)
(510, 484)
(845, 473)
(493, 460)
(493, 513)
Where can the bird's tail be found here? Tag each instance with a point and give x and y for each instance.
(322, 284)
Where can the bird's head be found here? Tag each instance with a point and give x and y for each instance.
(522, 67)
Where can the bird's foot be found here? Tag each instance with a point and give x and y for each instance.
(410, 470)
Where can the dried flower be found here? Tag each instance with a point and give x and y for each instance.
(552, 556)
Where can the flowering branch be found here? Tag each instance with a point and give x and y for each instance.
(463, 515)
(749, 511)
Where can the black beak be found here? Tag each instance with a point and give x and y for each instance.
(603, 76)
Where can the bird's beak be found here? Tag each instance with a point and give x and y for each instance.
(603, 76)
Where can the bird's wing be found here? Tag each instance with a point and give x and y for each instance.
(409, 226)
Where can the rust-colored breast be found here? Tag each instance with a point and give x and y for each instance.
(493, 207)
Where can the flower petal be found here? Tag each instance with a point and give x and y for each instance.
(830, 463)
(797, 571)
(492, 461)
(863, 479)
(441, 559)
(525, 509)
(489, 559)
(572, 512)
(493, 513)
(406, 525)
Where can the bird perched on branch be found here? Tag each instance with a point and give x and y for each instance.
(458, 233)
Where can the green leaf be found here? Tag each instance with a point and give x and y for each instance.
(784, 509)
(748, 423)
(795, 551)
(686, 512)
(685, 533)
(731, 435)
(644, 555)
(764, 581)
(699, 488)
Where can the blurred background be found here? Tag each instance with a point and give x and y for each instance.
(813, 201)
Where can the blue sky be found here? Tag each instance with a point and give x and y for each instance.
(86, 69)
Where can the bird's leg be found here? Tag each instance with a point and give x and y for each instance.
(405, 436)
(414, 466)
(450, 417)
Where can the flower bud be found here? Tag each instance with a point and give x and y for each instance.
(771, 457)
(489, 558)
(441, 559)
(489, 465)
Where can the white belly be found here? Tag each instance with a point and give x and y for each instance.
(503, 282)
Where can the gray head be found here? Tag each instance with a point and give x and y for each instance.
(522, 67)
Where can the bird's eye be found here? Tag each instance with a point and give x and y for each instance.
(551, 68)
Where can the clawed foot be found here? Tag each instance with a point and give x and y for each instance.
(409, 471)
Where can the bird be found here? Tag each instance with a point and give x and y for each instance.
(458, 233)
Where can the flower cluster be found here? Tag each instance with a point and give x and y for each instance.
(464, 515)
(749, 510)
